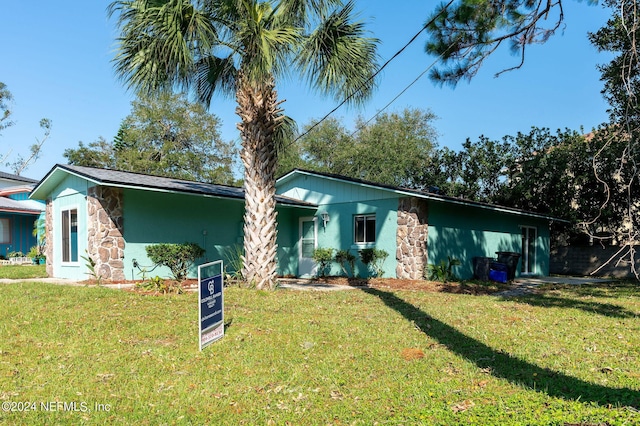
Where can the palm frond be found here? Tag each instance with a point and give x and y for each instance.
(338, 58)
(265, 44)
(161, 42)
(297, 13)
(215, 75)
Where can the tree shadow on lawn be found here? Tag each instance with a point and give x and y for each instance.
(503, 365)
(603, 290)
(605, 309)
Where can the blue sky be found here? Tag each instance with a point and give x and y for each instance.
(56, 61)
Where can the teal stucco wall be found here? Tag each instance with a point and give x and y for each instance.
(454, 229)
(342, 201)
(213, 223)
(339, 232)
(465, 232)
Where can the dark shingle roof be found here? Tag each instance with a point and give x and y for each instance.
(165, 184)
(421, 194)
(16, 178)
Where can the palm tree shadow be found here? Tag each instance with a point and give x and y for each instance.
(503, 365)
(605, 309)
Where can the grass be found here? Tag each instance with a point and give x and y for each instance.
(23, 271)
(568, 356)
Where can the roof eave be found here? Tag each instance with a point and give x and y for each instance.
(420, 194)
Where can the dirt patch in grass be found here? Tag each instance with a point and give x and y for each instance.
(467, 287)
(419, 285)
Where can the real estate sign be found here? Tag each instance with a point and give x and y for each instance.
(211, 302)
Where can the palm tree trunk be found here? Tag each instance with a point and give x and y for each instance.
(259, 114)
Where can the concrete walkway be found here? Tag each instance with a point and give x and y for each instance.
(526, 285)
(310, 285)
(61, 281)
(39, 280)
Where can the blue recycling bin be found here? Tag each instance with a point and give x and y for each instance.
(498, 272)
(510, 259)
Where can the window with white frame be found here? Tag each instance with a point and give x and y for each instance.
(5, 231)
(364, 226)
(70, 235)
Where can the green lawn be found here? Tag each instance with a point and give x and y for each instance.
(23, 271)
(570, 355)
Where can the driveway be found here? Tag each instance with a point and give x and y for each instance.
(527, 285)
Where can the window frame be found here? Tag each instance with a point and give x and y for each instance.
(9, 224)
(367, 241)
(67, 243)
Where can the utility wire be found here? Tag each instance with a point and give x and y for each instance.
(374, 75)
(398, 95)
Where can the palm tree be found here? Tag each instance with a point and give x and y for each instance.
(244, 47)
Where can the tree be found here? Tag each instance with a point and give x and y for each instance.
(35, 149)
(245, 47)
(466, 32)
(21, 163)
(327, 146)
(483, 169)
(5, 111)
(621, 77)
(100, 154)
(394, 149)
(164, 135)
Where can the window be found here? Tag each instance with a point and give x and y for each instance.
(70, 235)
(365, 229)
(5, 231)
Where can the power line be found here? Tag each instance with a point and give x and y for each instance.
(374, 75)
(398, 95)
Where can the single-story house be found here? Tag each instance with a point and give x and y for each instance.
(111, 216)
(18, 214)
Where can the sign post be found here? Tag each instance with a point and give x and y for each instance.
(211, 302)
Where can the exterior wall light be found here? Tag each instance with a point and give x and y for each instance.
(325, 218)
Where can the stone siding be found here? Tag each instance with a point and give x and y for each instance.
(583, 260)
(411, 238)
(104, 234)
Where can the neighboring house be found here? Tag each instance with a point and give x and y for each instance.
(112, 216)
(18, 214)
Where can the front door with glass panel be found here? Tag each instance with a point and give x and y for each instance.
(529, 236)
(307, 244)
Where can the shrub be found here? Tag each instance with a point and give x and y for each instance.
(443, 271)
(374, 258)
(324, 257)
(177, 257)
(344, 258)
(159, 285)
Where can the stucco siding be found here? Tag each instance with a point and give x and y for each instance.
(467, 232)
(213, 223)
(339, 231)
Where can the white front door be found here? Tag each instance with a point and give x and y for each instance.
(306, 245)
